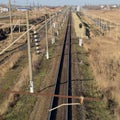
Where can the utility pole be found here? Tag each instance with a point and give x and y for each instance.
(110, 28)
(10, 14)
(116, 31)
(27, 3)
(50, 24)
(100, 25)
(14, 4)
(47, 52)
(106, 26)
(57, 23)
(29, 55)
(52, 37)
(19, 25)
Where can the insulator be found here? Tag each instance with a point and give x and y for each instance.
(35, 36)
(54, 25)
(35, 32)
(36, 44)
(37, 48)
(37, 51)
(36, 40)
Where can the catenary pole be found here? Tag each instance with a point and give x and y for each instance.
(47, 52)
(29, 55)
(10, 14)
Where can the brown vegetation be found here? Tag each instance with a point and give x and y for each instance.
(104, 60)
(10, 63)
(111, 15)
(22, 81)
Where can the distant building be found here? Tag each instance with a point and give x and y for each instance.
(23, 9)
(102, 6)
(3, 9)
(114, 6)
(105, 7)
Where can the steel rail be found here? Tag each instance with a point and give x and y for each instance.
(54, 102)
(69, 90)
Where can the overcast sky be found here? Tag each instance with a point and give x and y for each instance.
(62, 2)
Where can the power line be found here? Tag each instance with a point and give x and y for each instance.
(49, 95)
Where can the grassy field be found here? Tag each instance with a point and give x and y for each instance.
(104, 60)
(101, 65)
(21, 106)
(91, 110)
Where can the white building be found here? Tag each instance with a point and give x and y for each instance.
(114, 6)
(23, 9)
(102, 6)
(3, 9)
(78, 8)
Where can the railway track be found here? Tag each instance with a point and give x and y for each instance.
(40, 29)
(22, 46)
(63, 80)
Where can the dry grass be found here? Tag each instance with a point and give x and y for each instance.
(79, 32)
(108, 17)
(111, 15)
(22, 81)
(9, 63)
(104, 58)
(21, 15)
(4, 44)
